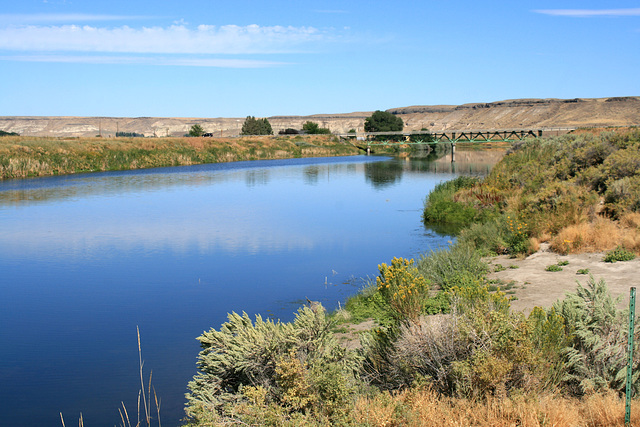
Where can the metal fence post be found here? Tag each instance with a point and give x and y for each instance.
(632, 315)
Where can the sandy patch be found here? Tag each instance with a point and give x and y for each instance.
(350, 339)
(536, 287)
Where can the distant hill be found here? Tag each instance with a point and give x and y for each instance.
(510, 114)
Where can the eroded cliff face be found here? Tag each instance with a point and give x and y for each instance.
(525, 113)
(511, 114)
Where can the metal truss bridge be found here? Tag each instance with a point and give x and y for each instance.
(454, 136)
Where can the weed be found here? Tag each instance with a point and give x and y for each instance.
(517, 236)
(563, 263)
(499, 267)
(514, 266)
(403, 288)
(619, 254)
(553, 267)
(583, 271)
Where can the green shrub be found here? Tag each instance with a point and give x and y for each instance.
(623, 195)
(517, 237)
(488, 238)
(477, 350)
(459, 265)
(438, 304)
(563, 263)
(553, 267)
(583, 271)
(619, 254)
(368, 304)
(596, 357)
(622, 163)
(585, 152)
(625, 139)
(278, 364)
(555, 206)
(501, 235)
(440, 206)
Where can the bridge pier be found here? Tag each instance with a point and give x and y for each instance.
(453, 152)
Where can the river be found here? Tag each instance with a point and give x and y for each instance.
(85, 259)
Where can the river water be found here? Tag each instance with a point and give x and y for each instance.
(85, 259)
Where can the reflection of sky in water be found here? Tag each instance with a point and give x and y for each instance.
(235, 210)
(87, 258)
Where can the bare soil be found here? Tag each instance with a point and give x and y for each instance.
(350, 339)
(534, 286)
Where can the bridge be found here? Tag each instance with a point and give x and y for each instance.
(454, 136)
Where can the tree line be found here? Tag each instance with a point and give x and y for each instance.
(379, 121)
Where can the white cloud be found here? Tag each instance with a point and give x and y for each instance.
(144, 60)
(175, 39)
(585, 13)
(17, 18)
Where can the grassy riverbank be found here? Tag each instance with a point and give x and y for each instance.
(446, 348)
(22, 157)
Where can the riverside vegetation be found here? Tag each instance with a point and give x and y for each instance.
(22, 156)
(446, 348)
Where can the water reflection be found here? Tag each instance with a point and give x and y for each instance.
(383, 175)
(311, 174)
(258, 173)
(378, 173)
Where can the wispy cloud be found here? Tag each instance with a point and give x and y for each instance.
(586, 13)
(144, 60)
(175, 39)
(68, 18)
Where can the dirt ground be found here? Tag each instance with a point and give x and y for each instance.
(534, 286)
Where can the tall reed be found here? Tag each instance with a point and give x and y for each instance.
(146, 399)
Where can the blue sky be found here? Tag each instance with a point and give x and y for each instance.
(210, 58)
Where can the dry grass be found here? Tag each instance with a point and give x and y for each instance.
(534, 244)
(143, 394)
(600, 235)
(31, 156)
(424, 407)
(630, 220)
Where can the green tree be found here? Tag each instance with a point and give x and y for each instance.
(196, 130)
(253, 126)
(382, 121)
(314, 129)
